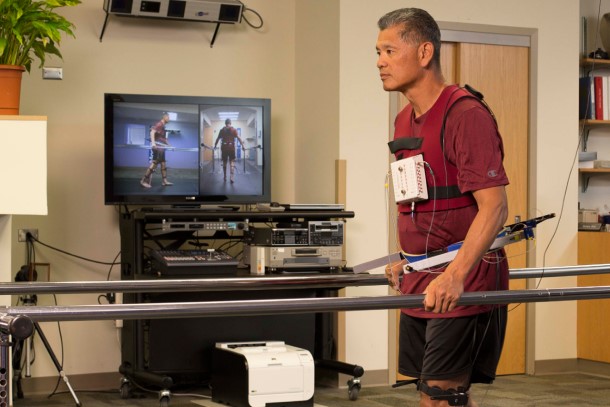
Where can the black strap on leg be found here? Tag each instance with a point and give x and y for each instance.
(404, 383)
(453, 397)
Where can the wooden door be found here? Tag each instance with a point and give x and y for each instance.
(593, 329)
(501, 74)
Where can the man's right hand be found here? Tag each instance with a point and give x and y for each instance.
(393, 272)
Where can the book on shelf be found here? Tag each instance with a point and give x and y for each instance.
(586, 100)
(594, 96)
(598, 86)
(597, 164)
(586, 164)
(587, 156)
(602, 164)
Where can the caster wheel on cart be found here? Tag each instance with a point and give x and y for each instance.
(353, 389)
(164, 397)
(125, 390)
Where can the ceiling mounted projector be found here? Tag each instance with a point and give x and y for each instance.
(216, 11)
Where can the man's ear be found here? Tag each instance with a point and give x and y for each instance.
(425, 53)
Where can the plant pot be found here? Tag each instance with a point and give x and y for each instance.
(10, 89)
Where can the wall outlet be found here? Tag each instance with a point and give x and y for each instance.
(22, 234)
(52, 73)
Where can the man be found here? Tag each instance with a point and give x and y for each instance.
(227, 135)
(158, 142)
(444, 346)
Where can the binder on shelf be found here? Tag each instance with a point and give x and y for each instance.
(605, 115)
(585, 99)
(597, 164)
(587, 156)
(599, 97)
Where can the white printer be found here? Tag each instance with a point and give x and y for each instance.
(262, 374)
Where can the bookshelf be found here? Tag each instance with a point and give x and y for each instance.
(594, 170)
(587, 173)
(595, 123)
(589, 64)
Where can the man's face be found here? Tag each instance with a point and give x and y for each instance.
(166, 118)
(397, 60)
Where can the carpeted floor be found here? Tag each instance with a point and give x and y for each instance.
(566, 390)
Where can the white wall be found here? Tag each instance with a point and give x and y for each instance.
(144, 56)
(364, 129)
(317, 99)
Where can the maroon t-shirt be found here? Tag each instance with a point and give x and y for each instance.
(473, 144)
(160, 133)
(227, 135)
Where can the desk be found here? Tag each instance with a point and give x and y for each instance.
(173, 352)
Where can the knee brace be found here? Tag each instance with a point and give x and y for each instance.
(453, 397)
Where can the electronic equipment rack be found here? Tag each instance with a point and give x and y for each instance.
(169, 353)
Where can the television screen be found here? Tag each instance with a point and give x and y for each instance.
(180, 150)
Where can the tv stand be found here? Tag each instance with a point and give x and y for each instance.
(172, 353)
(196, 208)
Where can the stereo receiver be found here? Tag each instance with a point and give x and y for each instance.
(167, 225)
(325, 233)
(280, 237)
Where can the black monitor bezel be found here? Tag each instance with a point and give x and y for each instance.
(112, 198)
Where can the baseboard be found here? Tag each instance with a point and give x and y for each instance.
(80, 382)
(558, 366)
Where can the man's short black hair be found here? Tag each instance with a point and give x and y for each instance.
(417, 26)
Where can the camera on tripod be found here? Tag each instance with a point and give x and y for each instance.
(27, 273)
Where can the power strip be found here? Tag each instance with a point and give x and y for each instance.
(409, 179)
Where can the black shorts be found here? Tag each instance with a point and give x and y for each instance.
(445, 348)
(228, 155)
(158, 155)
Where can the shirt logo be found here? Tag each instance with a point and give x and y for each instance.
(492, 173)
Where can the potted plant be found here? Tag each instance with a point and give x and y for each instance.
(29, 29)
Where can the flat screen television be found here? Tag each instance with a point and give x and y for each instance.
(188, 135)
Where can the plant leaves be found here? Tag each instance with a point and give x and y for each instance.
(32, 29)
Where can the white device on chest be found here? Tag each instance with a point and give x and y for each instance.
(409, 179)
